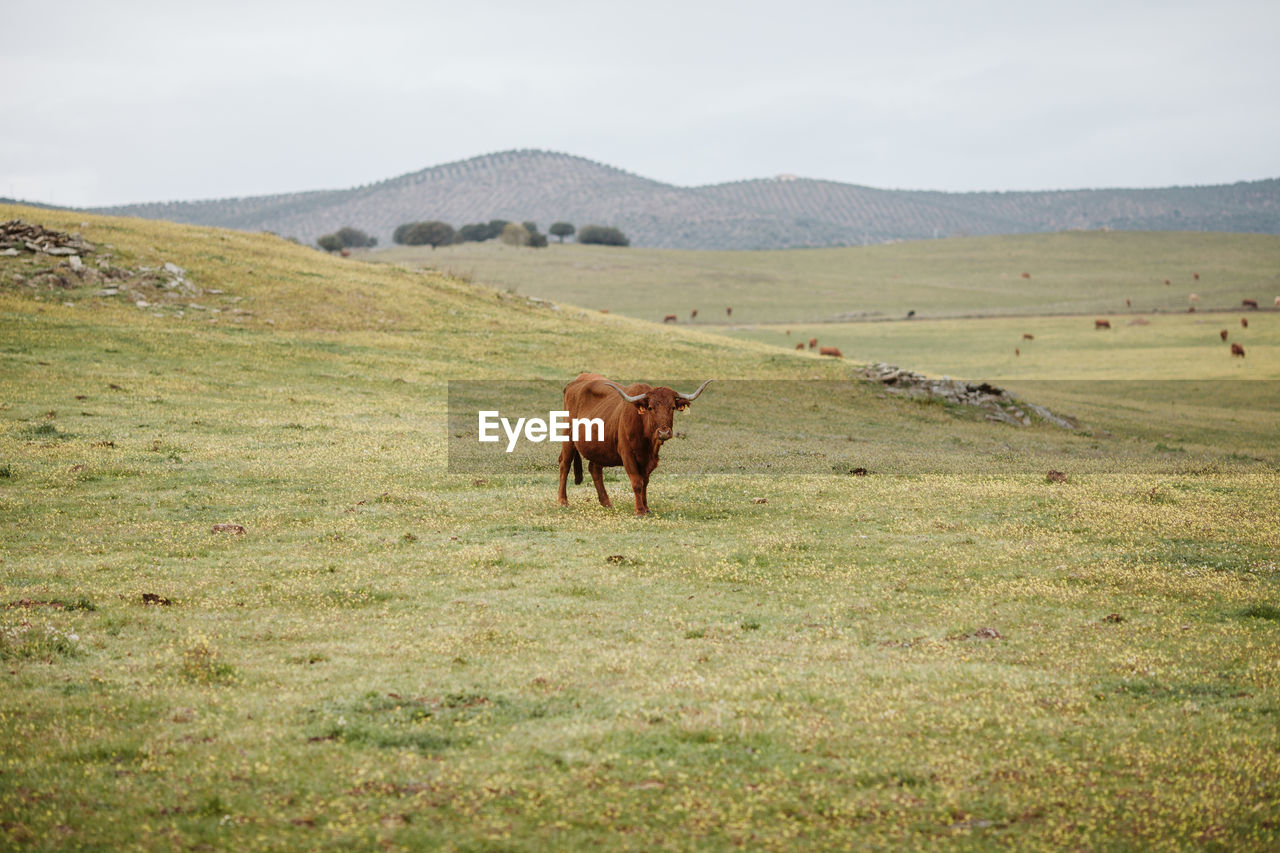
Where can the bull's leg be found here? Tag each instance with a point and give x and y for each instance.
(597, 477)
(639, 483)
(566, 459)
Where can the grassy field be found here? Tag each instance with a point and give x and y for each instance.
(1156, 346)
(1073, 272)
(949, 651)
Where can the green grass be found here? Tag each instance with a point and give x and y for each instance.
(393, 654)
(1071, 273)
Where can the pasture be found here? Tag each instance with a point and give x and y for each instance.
(1069, 273)
(950, 650)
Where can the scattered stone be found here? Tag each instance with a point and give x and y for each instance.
(1055, 477)
(759, 500)
(988, 634)
(1115, 618)
(858, 472)
(617, 559)
(153, 598)
(227, 527)
(999, 405)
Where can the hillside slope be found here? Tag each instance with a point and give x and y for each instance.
(759, 214)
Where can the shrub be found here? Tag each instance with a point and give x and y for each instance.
(329, 242)
(515, 235)
(603, 235)
(433, 233)
(354, 238)
(476, 232)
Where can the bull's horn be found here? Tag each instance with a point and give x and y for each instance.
(630, 399)
(694, 395)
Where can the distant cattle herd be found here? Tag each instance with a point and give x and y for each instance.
(1100, 323)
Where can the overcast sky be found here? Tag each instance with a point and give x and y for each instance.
(109, 103)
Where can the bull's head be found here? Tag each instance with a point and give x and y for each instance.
(657, 407)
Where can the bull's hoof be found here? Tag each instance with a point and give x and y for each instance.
(563, 501)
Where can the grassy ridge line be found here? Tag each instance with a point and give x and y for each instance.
(1071, 273)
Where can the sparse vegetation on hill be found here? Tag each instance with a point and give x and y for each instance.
(756, 214)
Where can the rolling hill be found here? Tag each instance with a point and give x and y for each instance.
(783, 212)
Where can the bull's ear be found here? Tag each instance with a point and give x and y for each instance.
(681, 404)
(642, 405)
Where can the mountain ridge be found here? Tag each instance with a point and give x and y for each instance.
(758, 213)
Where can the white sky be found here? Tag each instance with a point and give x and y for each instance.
(109, 103)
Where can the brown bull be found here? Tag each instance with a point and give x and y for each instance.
(1236, 349)
(670, 318)
(637, 420)
(813, 343)
(1102, 324)
(831, 351)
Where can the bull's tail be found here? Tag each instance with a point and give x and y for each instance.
(577, 467)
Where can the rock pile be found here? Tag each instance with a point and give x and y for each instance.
(145, 286)
(17, 237)
(996, 403)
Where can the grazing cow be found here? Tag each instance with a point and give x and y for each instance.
(1196, 276)
(1244, 322)
(1191, 309)
(1101, 324)
(694, 314)
(1236, 349)
(831, 351)
(670, 318)
(788, 333)
(346, 253)
(1278, 301)
(800, 346)
(728, 311)
(604, 310)
(637, 420)
(813, 343)
(1193, 297)
(1223, 334)
(1027, 336)
(1166, 282)
(1017, 351)
(911, 313)
(1026, 275)
(1128, 304)
(1248, 303)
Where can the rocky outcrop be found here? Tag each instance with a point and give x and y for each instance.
(57, 261)
(996, 403)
